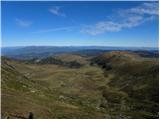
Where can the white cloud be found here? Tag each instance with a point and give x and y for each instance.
(57, 11)
(109, 26)
(127, 18)
(150, 8)
(23, 23)
(101, 27)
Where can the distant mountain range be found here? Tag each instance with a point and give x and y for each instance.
(30, 52)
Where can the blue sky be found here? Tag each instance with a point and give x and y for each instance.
(80, 23)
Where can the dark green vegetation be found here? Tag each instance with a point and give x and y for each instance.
(116, 84)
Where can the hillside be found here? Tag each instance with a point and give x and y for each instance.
(72, 57)
(56, 92)
(136, 76)
(117, 84)
(71, 61)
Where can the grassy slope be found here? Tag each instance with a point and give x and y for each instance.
(137, 77)
(53, 91)
(72, 57)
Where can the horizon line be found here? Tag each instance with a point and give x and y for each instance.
(79, 46)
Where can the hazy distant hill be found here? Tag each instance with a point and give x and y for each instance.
(45, 51)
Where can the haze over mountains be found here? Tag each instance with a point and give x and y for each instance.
(44, 51)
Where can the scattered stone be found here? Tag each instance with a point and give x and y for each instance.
(61, 97)
(33, 91)
(24, 86)
(62, 84)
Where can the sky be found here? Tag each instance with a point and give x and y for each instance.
(127, 23)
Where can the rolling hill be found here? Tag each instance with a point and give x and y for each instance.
(116, 84)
